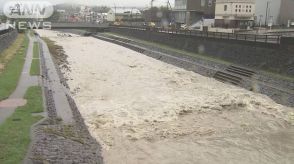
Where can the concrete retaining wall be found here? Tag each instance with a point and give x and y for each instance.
(266, 85)
(265, 56)
(7, 39)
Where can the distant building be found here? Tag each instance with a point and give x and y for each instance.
(275, 12)
(110, 16)
(86, 14)
(191, 11)
(234, 13)
(124, 14)
(63, 16)
(101, 17)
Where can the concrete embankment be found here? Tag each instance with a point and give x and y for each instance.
(62, 137)
(277, 58)
(6, 39)
(278, 89)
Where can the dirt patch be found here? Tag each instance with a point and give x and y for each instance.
(9, 103)
(11, 51)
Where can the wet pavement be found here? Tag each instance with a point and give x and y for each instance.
(24, 83)
(53, 83)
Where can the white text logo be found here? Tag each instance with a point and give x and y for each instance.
(28, 9)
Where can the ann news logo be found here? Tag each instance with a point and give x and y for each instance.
(33, 13)
(28, 9)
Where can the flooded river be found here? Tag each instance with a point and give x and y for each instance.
(144, 111)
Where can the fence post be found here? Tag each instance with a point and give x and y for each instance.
(265, 38)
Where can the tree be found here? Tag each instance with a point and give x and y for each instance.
(3, 18)
(55, 17)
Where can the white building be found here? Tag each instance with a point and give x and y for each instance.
(275, 12)
(234, 13)
(86, 14)
(110, 16)
(123, 14)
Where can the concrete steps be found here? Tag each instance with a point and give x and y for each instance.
(227, 78)
(234, 75)
(240, 71)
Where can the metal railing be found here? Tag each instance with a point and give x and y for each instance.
(274, 39)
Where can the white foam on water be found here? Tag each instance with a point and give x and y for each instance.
(145, 111)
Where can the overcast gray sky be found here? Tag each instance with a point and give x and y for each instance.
(140, 3)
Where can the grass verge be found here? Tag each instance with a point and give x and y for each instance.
(31, 32)
(15, 131)
(35, 67)
(12, 60)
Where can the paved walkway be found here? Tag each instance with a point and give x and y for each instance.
(59, 92)
(24, 83)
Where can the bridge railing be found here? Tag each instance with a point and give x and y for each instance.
(275, 39)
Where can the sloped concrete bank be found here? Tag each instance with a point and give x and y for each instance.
(57, 142)
(279, 90)
(6, 39)
(264, 56)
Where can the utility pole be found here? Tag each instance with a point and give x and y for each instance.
(151, 10)
(152, 3)
(266, 13)
(114, 12)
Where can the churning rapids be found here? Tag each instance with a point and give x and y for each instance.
(145, 111)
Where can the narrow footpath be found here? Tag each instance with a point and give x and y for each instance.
(53, 83)
(7, 107)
